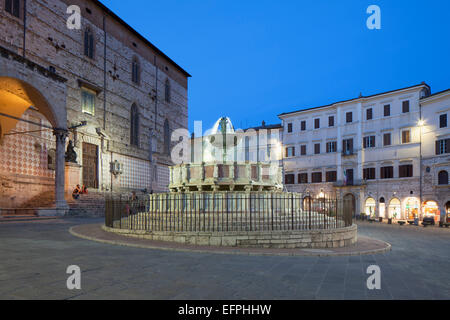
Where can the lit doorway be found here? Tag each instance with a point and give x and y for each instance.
(431, 209)
(370, 207)
(382, 208)
(412, 208)
(394, 209)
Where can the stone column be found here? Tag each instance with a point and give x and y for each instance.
(61, 203)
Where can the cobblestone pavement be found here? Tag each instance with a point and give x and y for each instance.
(34, 257)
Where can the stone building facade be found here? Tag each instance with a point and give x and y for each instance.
(383, 152)
(104, 87)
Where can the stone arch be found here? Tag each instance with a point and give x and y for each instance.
(394, 208)
(32, 89)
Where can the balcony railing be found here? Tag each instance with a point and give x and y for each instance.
(353, 182)
(347, 153)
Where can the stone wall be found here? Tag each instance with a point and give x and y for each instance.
(50, 43)
(333, 238)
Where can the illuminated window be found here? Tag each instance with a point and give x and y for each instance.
(87, 101)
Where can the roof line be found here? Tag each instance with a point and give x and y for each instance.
(361, 97)
(140, 36)
(435, 94)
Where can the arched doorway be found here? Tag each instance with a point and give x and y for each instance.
(411, 208)
(370, 206)
(430, 209)
(25, 111)
(382, 208)
(394, 210)
(447, 212)
(349, 206)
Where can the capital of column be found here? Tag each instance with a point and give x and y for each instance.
(60, 134)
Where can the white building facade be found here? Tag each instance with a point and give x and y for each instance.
(388, 153)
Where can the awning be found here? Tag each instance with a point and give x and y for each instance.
(12, 105)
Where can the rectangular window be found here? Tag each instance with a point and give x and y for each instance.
(387, 110)
(405, 106)
(405, 171)
(349, 117)
(387, 139)
(317, 148)
(442, 146)
(13, 7)
(386, 172)
(316, 177)
(303, 150)
(347, 146)
(302, 178)
(369, 114)
(289, 179)
(290, 152)
(406, 136)
(88, 101)
(316, 123)
(369, 173)
(369, 142)
(289, 127)
(331, 146)
(331, 121)
(443, 121)
(303, 125)
(330, 176)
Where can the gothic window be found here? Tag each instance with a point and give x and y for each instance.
(135, 72)
(134, 127)
(167, 91)
(89, 43)
(166, 137)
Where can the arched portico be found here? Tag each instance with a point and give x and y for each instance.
(24, 84)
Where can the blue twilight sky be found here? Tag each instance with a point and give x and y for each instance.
(254, 59)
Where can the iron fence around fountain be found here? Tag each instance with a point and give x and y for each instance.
(228, 212)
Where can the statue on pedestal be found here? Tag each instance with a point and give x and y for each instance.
(71, 155)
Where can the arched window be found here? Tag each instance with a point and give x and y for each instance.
(134, 127)
(89, 43)
(443, 177)
(166, 137)
(167, 91)
(135, 72)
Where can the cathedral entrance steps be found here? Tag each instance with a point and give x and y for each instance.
(91, 204)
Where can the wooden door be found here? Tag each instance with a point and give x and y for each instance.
(90, 165)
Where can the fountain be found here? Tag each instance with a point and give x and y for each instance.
(227, 200)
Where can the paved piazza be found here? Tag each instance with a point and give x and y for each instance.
(34, 257)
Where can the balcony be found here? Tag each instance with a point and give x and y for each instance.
(349, 153)
(350, 183)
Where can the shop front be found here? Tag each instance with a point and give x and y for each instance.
(394, 209)
(447, 212)
(370, 207)
(412, 208)
(431, 209)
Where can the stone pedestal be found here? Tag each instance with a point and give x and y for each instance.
(72, 177)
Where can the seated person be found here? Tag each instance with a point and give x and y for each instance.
(76, 192)
(84, 190)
